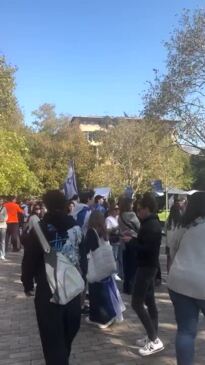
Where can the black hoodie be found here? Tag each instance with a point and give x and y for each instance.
(148, 242)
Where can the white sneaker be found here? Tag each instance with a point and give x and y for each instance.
(3, 258)
(117, 278)
(106, 325)
(141, 342)
(87, 320)
(151, 347)
(100, 325)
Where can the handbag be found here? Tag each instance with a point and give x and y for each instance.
(101, 263)
(63, 278)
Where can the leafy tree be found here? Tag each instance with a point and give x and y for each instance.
(53, 143)
(15, 176)
(107, 175)
(10, 115)
(198, 166)
(138, 152)
(179, 93)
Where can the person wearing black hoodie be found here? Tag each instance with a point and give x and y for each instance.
(58, 324)
(147, 246)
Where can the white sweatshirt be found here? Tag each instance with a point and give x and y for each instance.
(3, 217)
(187, 273)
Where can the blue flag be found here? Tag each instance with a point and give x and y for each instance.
(70, 186)
(157, 186)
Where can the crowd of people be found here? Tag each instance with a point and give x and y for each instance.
(133, 233)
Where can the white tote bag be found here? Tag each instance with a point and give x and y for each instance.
(101, 262)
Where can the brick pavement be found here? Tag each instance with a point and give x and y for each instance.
(20, 343)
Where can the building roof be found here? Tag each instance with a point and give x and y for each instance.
(108, 120)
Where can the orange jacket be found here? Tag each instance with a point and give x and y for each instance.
(13, 209)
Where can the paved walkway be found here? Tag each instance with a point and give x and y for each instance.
(20, 344)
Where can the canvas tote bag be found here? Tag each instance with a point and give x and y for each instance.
(101, 262)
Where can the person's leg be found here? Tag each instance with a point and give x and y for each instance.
(8, 237)
(115, 251)
(187, 314)
(72, 318)
(120, 261)
(51, 327)
(126, 288)
(132, 266)
(3, 242)
(158, 278)
(143, 280)
(151, 305)
(16, 237)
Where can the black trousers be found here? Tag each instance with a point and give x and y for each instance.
(13, 236)
(58, 326)
(143, 294)
(129, 268)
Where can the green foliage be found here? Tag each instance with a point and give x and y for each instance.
(15, 177)
(10, 115)
(36, 159)
(107, 175)
(198, 166)
(134, 153)
(54, 142)
(179, 93)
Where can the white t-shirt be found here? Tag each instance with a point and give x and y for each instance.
(111, 222)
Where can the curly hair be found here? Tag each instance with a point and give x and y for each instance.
(54, 201)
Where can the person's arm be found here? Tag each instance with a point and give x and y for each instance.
(19, 210)
(146, 241)
(33, 255)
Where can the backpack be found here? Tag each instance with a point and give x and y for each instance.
(64, 279)
(81, 216)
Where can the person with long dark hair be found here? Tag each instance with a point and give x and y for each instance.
(186, 277)
(128, 224)
(58, 324)
(173, 222)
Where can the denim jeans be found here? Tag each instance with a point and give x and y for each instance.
(143, 294)
(2, 241)
(117, 252)
(187, 315)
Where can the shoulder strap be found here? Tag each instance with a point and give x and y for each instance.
(43, 241)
